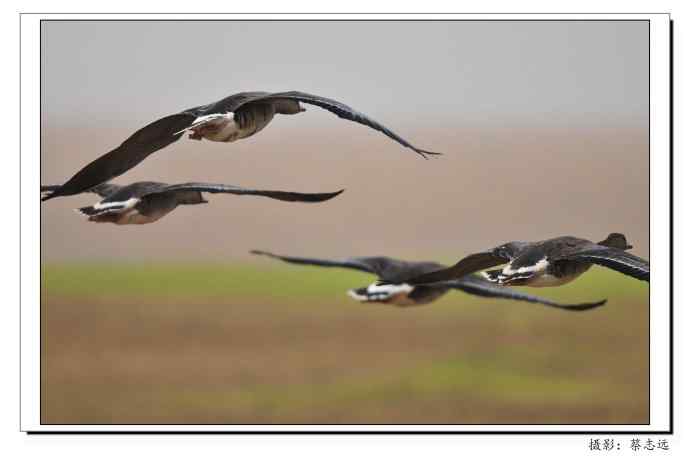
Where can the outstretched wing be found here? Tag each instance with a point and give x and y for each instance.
(229, 189)
(102, 190)
(384, 267)
(465, 266)
(105, 189)
(362, 264)
(131, 152)
(230, 103)
(477, 286)
(340, 109)
(48, 189)
(615, 259)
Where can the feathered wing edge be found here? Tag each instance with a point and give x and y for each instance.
(475, 285)
(103, 190)
(339, 109)
(466, 266)
(288, 196)
(169, 129)
(617, 260)
(360, 264)
(131, 152)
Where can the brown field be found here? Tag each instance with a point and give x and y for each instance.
(304, 353)
(230, 343)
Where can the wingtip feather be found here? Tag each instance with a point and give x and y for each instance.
(425, 153)
(588, 306)
(326, 196)
(261, 253)
(47, 195)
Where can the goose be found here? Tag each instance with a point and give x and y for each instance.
(551, 262)
(145, 202)
(233, 118)
(403, 295)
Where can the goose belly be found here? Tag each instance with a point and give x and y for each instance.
(560, 273)
(135, 217)
(151, 208)
(545, 280)
(227, 132)
(122, 218)
(239, 125)
(401, 300)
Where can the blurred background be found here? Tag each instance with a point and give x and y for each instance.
(544, 130)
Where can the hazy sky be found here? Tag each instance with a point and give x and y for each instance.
(431, 72)
(543, 126)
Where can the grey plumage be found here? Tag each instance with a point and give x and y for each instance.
(612, 258)
(392, 270)
(252, 111)
(562, 259)
(147, 201)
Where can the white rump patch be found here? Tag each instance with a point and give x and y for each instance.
(381, 292)
(540, 266)
(358, 297)
(215, 118)
(126, 204)
(487, 276)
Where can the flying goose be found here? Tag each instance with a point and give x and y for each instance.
(550, 262)
(232, 118)
(402, 294)
(148, 201)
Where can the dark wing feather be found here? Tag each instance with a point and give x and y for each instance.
(135, 190)
(477, 286)
(395, 271)
(229, 189)
(382, 266)
(131, 152)
(614, 259)
(230, 103)
(105, 189)
(102, 190)
(361, 264)
(340, 109)
(467, 265)
(47, 190)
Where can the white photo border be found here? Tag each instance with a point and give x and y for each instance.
(660, 339)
